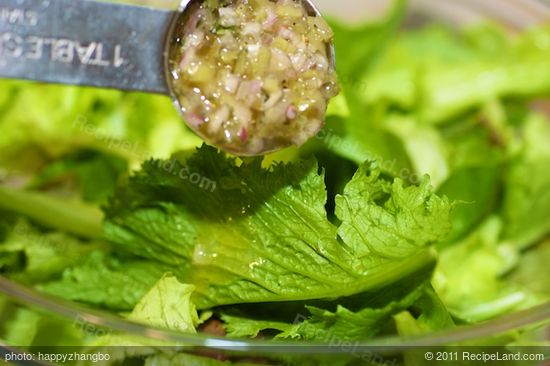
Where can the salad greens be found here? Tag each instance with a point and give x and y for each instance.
(106, 281)
(422, 205)
(272, 240)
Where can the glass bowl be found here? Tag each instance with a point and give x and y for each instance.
(82, 322)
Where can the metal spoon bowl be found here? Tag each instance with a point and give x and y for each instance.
(186, 10)
(93, 43)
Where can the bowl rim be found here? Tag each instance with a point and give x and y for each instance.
(537, 315)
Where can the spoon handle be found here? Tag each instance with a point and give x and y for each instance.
(84, 43)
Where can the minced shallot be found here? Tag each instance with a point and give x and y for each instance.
(253, 76)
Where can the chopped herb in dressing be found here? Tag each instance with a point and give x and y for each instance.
(253, 76)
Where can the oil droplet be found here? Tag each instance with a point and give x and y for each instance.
(202, 256)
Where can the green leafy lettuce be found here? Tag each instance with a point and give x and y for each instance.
(106, 281)
(263, 235)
